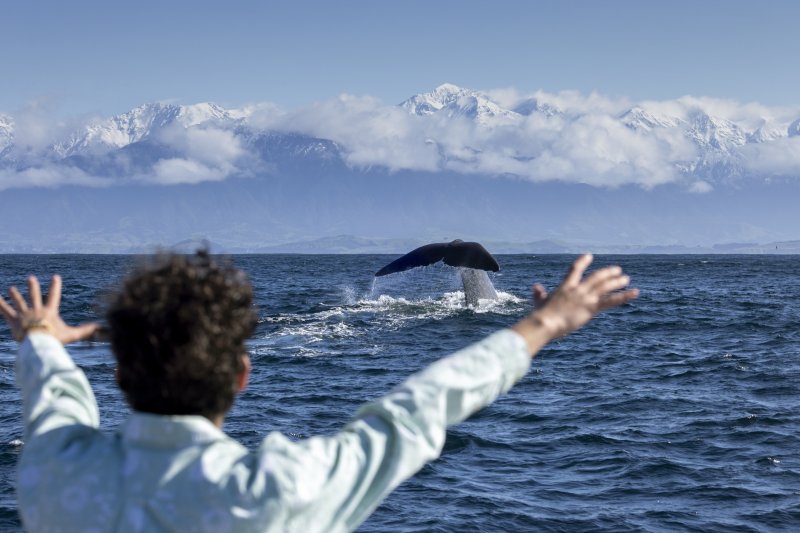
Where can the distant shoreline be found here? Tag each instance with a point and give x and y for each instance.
(569, 253)
(354, 245)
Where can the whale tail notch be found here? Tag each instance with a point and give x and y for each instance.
(455, 253)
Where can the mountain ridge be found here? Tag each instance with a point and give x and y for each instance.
(716, 141)
(255, 180)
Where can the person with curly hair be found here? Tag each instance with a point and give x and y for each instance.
(178, 327)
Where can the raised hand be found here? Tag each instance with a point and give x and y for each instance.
(574, 302)
(23, 318)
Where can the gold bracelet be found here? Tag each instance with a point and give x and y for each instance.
(39, 324)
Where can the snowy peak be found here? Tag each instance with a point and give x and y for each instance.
(639, 119)
(480, 109)
(706, 131)
(191, 115)
(715, 133)
(138, 124)
(714, 136)
(436, 100)
(767, 132)
(120, 130)
(454, 101)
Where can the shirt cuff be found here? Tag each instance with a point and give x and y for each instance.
(41, 354)
(512, 349)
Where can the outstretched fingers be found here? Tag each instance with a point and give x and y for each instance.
(23, 316)
(577, 269)
(618, 298)
(54, 295)
(611, 284)
(600, 276)
(7, 310)
(539, 295)
(19, 301)
(605, 284)
(35, 293)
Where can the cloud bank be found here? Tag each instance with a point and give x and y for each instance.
(700, 144)
(206, 154)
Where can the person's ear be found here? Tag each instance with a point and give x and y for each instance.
(245, 375)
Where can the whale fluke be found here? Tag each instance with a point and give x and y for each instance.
(456, 253)
(471, 256)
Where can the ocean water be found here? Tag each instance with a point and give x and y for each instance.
(679, 412)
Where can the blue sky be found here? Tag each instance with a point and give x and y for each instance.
(105, 57)
(673, 122)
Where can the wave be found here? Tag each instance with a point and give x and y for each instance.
(317, 331)
(447, 303)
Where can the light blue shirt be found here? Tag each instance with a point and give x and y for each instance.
(181, 473)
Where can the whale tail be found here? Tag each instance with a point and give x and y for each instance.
(456, 253)
(474, 259)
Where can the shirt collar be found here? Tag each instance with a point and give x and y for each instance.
(169, 431)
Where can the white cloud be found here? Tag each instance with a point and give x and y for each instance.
(780, 157)
(700, 187)
(207, 154)
(213, 146)
(583, 141)
(370, 133)
(202, 154)
(37, 125)
(49, 177)
(593, 148)
(264, 115)
(177, 171)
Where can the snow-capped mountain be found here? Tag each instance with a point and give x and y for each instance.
(715, 133)
(766, 132)
(138, 124)
(480, 109)
(714, 136)
(453, 101)
(710, 134)
(530, 106)
(507, 138)
(639, 119)
(436, 100)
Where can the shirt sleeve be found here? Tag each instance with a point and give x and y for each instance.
(55, 392)
(334, 483)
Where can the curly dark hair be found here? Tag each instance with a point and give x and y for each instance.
(177, 328)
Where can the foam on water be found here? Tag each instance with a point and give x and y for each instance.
(447, 303)
(304, 330)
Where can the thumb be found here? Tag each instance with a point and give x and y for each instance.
(81, 332)
(539, 295)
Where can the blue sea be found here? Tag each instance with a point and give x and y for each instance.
(678, 412)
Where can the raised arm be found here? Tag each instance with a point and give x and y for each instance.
(55, 392)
